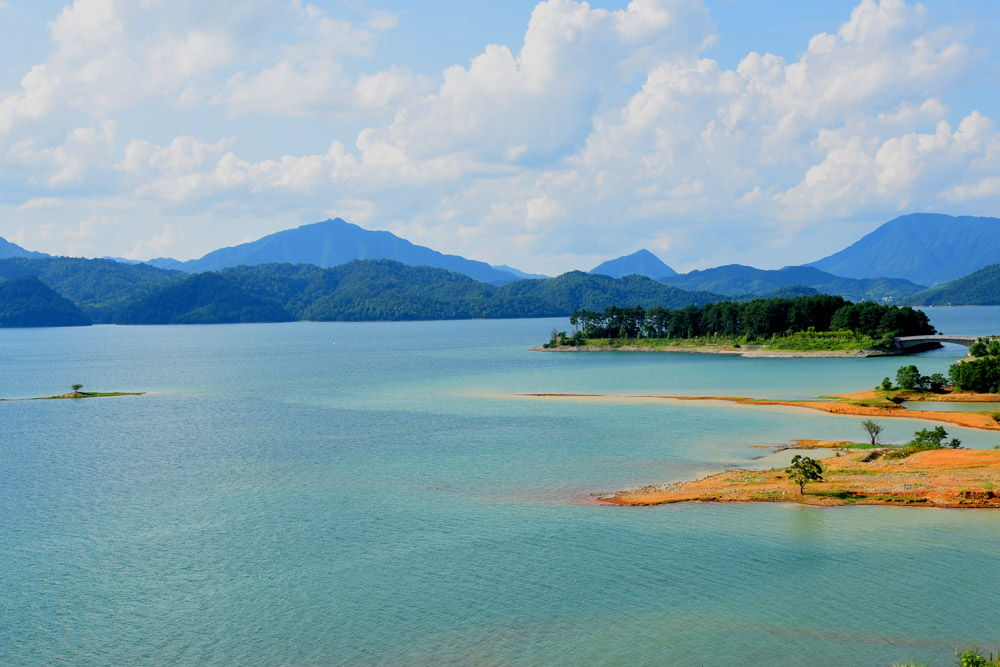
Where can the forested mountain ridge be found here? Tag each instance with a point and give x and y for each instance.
(204, 298)
(979, 288)
(97, 286)
(925, 248)
(28, 302)
(359, 290)
(739, 280)
(331, 243)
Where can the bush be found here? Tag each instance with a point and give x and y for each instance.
(923, 440)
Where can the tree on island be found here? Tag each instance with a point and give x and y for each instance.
(873, 429)
(933, 439)
(909, 378)
(803, 470)
(76, 388)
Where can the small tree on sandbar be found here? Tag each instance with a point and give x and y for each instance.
(873, 429)
(804, 469)
(76, 387)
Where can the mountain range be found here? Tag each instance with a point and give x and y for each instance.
(332, 243)
(739, 280)
(925, 248)
(314, 272)
(109, 292)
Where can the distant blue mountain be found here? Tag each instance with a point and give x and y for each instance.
(925, 248)
(520, 274)
(639, 263)
(8, 249)
(332, 243)
(739, 280)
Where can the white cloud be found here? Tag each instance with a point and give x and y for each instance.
(157, 246)
(603, 130)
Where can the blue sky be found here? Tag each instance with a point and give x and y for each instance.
(545, 135)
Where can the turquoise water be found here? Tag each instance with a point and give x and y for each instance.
(322, 494)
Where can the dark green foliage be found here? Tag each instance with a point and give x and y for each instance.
(387, 290)
(886, 384)
(803, 470)
(98, 286)
(978, 349)
(926, 439)
(755, 319)
(978, 375)
(204, 298)
(936, 382)
(28, 302)
(979, 288)
(909, 378)
(356, 291)
(974, 657)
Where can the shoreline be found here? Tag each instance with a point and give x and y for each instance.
(842, 404)
(946, 478)
(740, 352)
(75, 395)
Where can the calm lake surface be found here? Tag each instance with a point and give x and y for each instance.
(356, 493)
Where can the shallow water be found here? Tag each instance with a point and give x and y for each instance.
(374, 493)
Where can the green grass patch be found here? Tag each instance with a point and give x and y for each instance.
(97, 394)
(847, 497)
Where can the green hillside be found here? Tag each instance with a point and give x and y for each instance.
(27, 302)
(204, 298)
(979, 288)
(98, 286)
(360, 290)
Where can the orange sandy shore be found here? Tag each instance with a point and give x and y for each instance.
(936, 478)
(846, 405)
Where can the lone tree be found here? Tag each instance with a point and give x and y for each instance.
(804, 469)
(76, 387)
(873, 428)
(909, 378)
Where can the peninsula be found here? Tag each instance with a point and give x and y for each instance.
(933, 478)
(817, 325)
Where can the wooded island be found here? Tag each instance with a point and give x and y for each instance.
(810, 323)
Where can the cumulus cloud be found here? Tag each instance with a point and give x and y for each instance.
(601, 132)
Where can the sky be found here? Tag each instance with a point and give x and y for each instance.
(548, 136)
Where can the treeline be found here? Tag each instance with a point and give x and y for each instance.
(760, 318)
(980, 374)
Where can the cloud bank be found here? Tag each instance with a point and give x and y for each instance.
(602, 132)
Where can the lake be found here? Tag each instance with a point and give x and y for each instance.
(358, 493)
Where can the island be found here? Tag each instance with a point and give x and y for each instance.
(816, 325)
(75, 393)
